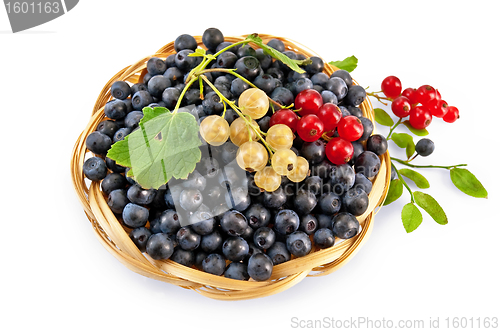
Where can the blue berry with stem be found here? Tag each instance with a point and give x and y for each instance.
(424, 147)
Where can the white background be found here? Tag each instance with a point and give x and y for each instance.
(57, 277)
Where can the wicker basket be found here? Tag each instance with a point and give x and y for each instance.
(115, 238)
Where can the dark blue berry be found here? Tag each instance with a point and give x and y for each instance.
(342, 178)
(156, 66)
(274, 199)
(248, 67)
(121, 134)
(362, 182)
(117, 200)
(211, 242)
(282, 96)
(138, 195)
(258, 216)
(202, 222)
(174, 74)
(237, 271)
(367, 128)
(286, 222)
(188, 239)
(157, 84)
(211, 38)
(185, 41)
(120, 90)
(113, 181)
(168, 222)
(140, 237)
(132, 119)
(424, 147)
(141, 99)
(214, 264)
(235, 248)
(108, 127)
(264, 237)
(260, 267)
(308, 224)
(330, 203)
(298, 244)
(233, 223)
(159, 246)
(170, 97)
(377, 144)
(184, 257)
(304, 201)
(355, 201)
(368, 164)
(95, 168)
(343, 74)
(345, 225)
(279, 253)
(337, 86)
(98, 142)
(135, 215)
(324, 238)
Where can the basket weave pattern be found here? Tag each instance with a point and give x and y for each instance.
(114, 237)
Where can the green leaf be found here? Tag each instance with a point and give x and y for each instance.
(395, 191)
(349, 63)
(165, 145)
(383, 118)
(464, 180)
(411, 216)
(420, 181)
(418, 132)
(431, 206)
(293, 64)
(402, 140)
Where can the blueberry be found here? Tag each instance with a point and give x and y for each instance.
(286, 222)
(337, 86)
(355, 201)
(211, 242)
(238, 86)
(185, 41)
(248, 67)
(202, 222)
(190, 199)
(138, 87)
(329, 203)
(329, 97)
(117, 200)
(342, 178)
(377, 144)
(424, 147)
(314, 184)
(168, 222)
(98, 142)
(120, 90)
(214, 264)
(174, 74)
(108, 127)
(237, 271)
(265, 82)
(138, 195)
(367, 128)
(170, 97)
(265, 59)
(298, 244)
(258, 216)
(132, 119)
(324, 221)
(279, 253)
(302, 84)
(156, 66)
(113, 181)
(345, 225)
(308, 224)
(314, 152)
(140, 237)
(324, 238)
(141, 99)
(184, 257)
(282, 96)
(277, 44)
(260, 267)
(95, 168)
(135, 215)
(356, 111)
(233, 223)
(160, 246)
(343, 74)
(226, 60)
(264, 237)
(157, 84)
(185, 62)
(274, 199)
(362, 182)
(199, 256)
(235, 248)
(188, 239)
(121, 134)
(368, 164)
(238, 198)
(211, 38)
(305, 201)
(316, 66)
(113, 166)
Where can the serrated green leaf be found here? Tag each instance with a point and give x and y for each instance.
(166, 145)
(467, 182)
(431, 206)
(395, 191)
(382, 117)
(418, 132)
(348, 64)
(411, 217)
(419, 180)
(293, 64)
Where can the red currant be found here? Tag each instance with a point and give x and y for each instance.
(420, 117)
(330, 114)
(350, 128)
(310, 128)
(401, 106)
(391, 87)
(339, 151)
(411, 94)
(308, 101)
(425, 94)
(438, 95)
(286, 117)
(452, 114)
(437, 107)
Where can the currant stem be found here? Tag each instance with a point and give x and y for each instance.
(403, 182)
(393, 127)
(426, 166)
(379, 98)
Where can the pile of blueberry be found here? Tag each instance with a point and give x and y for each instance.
(218, 220)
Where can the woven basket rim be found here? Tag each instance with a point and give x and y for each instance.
(114, 237)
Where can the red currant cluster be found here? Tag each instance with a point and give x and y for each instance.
(318, 118)
(419, 104)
